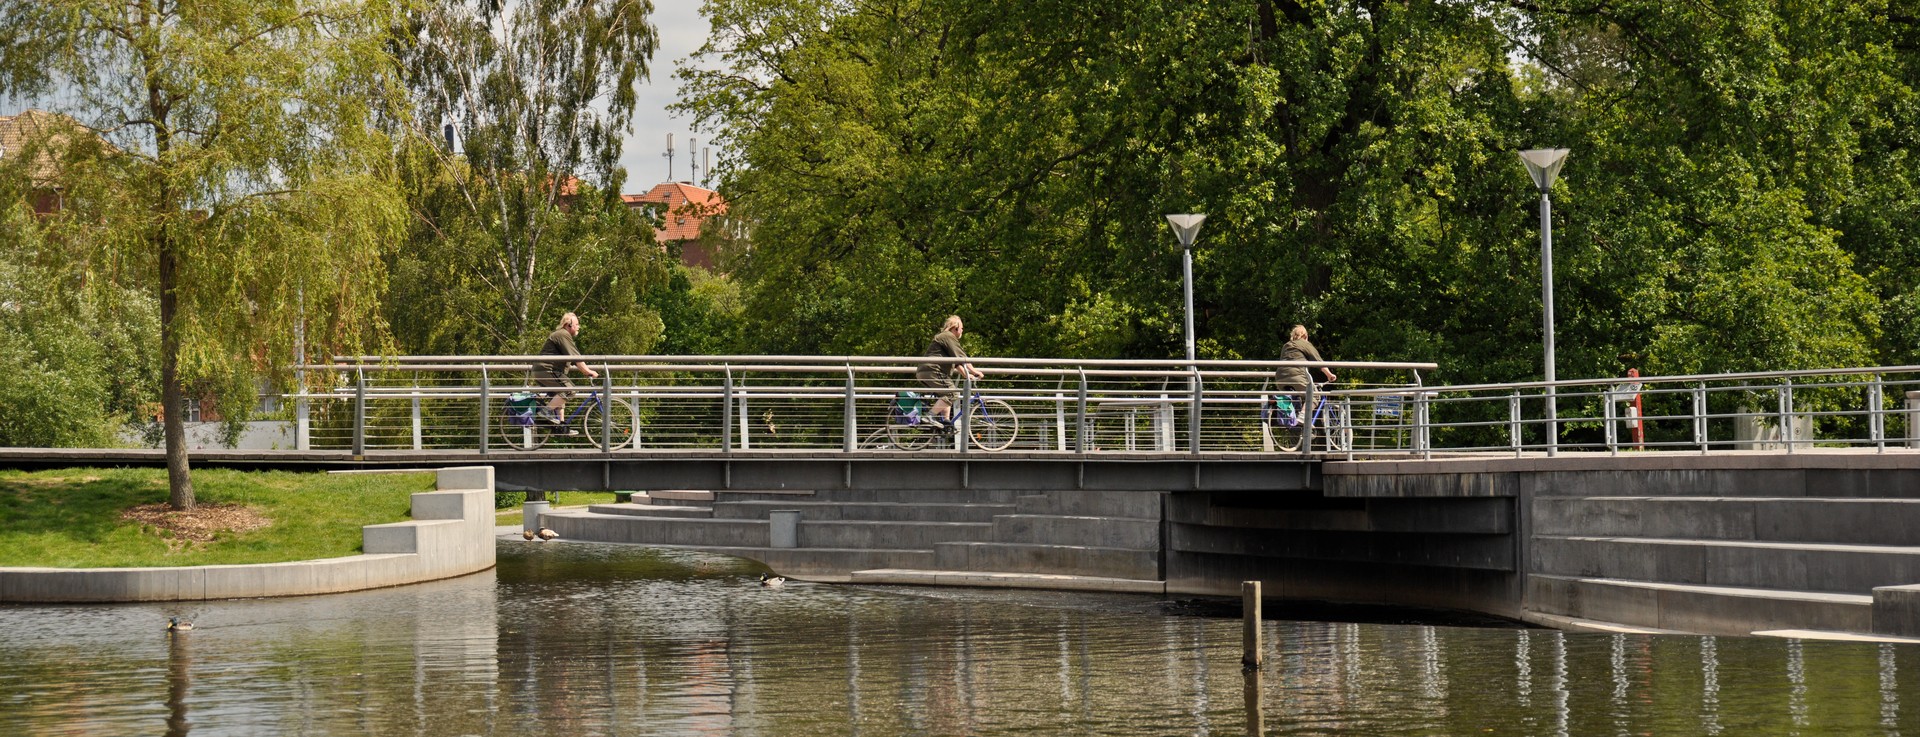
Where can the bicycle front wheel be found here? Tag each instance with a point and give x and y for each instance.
(624, 421)
(1339, 432)
(993, 425)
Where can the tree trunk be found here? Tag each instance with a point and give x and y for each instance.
(172, 398)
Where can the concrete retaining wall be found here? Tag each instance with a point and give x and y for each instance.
(451, 534)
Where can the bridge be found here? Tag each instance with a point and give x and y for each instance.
(1730, 503)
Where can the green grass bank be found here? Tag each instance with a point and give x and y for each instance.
(77, 518)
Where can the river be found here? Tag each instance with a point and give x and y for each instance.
(585, 639)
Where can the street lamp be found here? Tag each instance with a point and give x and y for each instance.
(1544, 165)
(1186, 227)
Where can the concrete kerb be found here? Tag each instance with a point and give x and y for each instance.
(451, 534)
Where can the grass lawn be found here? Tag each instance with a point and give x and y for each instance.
(77, 518)
(556, 499)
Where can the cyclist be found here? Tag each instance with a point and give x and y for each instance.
(940, 376)
(1293, 379)
(554, 374)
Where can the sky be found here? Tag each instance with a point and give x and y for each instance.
(682, 30)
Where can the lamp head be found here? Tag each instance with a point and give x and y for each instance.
(1544, 165)
(1186, 227)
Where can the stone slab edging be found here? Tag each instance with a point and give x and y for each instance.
(451, 534)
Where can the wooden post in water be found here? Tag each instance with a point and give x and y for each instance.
(1250, 618)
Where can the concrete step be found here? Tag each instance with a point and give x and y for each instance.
(650, 510)
(820, 564)
(672, 495)
(1713, 610)
(622, 528)
(1053, 581)
(873, 511)
(1766, 565)
(738, 495)
(887, 534)
(1075, 503)
(1098, 532)
(1783, 519)
(912, 496)
(1836, 636)
(1068, 559)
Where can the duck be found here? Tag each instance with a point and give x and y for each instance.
(546, 534)
(176, 624)
(768, 579)
(528, 534)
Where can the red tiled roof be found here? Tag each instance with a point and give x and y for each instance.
(17, 130)
(686, 207)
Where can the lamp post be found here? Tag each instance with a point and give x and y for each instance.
(1186, 227)
(1544, 166)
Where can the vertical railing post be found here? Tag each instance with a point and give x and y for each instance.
(416, 410)
(607, 408)
(966, 412)
(746, 419)
(850, 430)
(1421, 439)
(1306, 417)
(1876, 414)
(485, 389)
(1080, 420)
(359, 410)
(1060, 417)
(1785, 394)
(1193, 420)
(1513, 423)
(1700, 415)
(726, 410)
(1612, 435)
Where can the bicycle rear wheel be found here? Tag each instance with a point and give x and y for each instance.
(993, 425)
(519, 429)
(907, 437)
(1285, 438)
(625, 423)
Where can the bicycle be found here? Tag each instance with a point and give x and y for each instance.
(991, 423)
(1281, 422)
(526, 423)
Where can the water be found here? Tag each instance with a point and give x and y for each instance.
(577, 639)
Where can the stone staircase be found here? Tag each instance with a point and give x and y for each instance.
(1724, 565)
(1062, 540)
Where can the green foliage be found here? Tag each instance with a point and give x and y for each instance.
(229, 168)
(525, 223)
(1740, 193)
(72, 518)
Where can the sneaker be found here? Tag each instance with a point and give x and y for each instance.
(566, 432)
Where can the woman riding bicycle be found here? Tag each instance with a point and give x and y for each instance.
(1293, 379)
(939, 377)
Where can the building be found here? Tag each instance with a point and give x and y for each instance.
(17, 133)
(680, 209)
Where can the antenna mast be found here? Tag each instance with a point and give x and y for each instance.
(669, 155)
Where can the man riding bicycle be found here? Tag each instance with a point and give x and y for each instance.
(554, 374)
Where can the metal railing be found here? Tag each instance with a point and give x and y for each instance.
(732, 404)
(815, 403)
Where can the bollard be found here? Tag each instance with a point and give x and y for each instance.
(1250, 620)
(530, 515)
(1250, 691)
(783, 528)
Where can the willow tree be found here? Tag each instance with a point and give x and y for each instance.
(246, 184)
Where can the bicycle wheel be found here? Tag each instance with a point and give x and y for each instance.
(519, 429)
(625, 423)
(993, 425)
(905, 436)
(1285, 431)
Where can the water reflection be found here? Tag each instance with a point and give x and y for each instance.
(585, 640)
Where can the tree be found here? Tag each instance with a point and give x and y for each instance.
(245, 189)
(535, 94)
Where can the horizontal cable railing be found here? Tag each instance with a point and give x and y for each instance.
(819, 403)
(875, 403)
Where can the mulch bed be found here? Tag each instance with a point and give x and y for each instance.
(197, 527)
